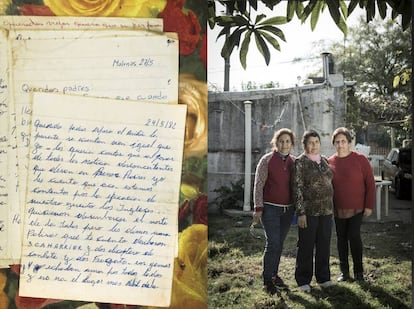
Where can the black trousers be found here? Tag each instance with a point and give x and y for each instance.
(348, 232)
(316, 237)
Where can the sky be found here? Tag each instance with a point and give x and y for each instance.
(300, 44)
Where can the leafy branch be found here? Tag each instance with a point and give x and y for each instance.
(264, 30)
(238, 26)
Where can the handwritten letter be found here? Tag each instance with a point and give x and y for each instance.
(4, 142)
(79, 23)
(17, 26)
(143, 68)
(129, 68)
(102, 200)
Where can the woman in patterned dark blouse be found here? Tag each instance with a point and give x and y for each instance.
(313, 198)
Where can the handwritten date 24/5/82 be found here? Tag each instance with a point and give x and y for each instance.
(160, 123)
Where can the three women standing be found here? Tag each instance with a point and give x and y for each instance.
(342, 185)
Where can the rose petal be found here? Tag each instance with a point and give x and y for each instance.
(35, 10)
(200, 214)
(33, 302)
(187, 27)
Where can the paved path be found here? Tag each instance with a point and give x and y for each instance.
(398, 210)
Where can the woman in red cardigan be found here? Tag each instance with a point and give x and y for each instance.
(354, 198)
(273, 204)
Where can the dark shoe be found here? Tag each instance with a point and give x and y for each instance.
(359, 277)
(270, 289)
(343, 277)
(278, 283)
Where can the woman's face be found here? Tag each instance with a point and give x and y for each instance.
(342, 145)
(284, 144)
(313, 145)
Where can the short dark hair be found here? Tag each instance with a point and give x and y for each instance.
(307, 134)
(279, 133)
(344, 131)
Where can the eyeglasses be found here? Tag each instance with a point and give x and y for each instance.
(251, 231)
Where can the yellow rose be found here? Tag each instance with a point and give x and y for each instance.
(4, 299)
(190, 269)
(104, 8)
(194, 93)
(189, 191)
(189, 288)
(3, 6)
(151, 8)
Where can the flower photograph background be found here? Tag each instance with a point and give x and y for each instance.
(188, 19)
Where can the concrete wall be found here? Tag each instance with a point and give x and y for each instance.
(318, 107)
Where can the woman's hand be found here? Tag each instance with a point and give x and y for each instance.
(302, 222)
(367, 212)
(257, 215)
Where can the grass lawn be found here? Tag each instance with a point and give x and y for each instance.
(235, 267)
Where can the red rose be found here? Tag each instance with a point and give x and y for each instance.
(187, 26)
(39, 10)
(200, 210)
(203, 49)
(177, 3)
(15, 268)
(184, 210)
(33, 303)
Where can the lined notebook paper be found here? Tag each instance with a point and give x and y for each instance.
(102, 195)
(39, 49)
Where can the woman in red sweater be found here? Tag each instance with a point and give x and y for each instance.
(354, 198)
